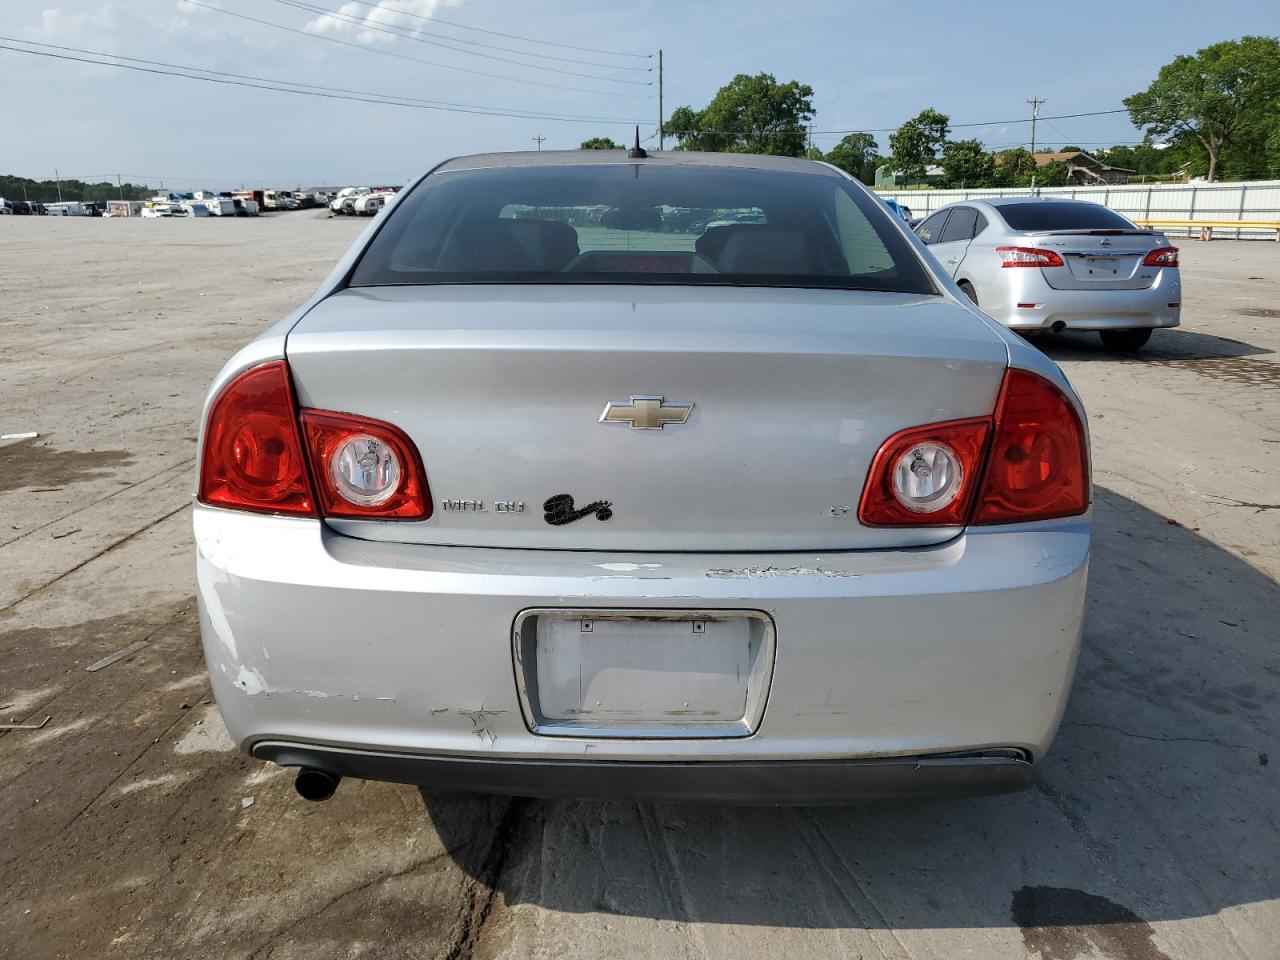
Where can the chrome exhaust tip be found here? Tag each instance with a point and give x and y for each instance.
(315, 785)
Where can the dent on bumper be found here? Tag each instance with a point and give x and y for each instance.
(317, 639)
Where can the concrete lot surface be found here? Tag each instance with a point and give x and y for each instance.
(129, 828)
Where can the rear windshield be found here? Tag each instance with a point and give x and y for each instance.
(641, 223)
(1062, 216)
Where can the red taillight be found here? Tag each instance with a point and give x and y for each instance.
(1038, 467)
(252, 458)
(1028, 257)
(365, 468)
(885, 502)
(1161, 257)
(1035, 467)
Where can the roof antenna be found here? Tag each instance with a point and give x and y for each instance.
(637, 152)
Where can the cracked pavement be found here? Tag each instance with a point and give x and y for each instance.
(1152, 831)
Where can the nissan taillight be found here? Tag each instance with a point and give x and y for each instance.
(1028, 257)
(1028, 461)
(1161, 257)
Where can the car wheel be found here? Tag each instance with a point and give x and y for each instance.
(969, 292)
(1124, 341)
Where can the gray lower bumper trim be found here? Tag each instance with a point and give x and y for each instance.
(750, 781)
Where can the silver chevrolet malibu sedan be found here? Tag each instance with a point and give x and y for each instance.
(665, 475)
(1041, 265)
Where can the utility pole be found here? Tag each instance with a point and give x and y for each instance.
(58, 180)
(661, 121)
(1036, 104)
(538, 140)
(120, 186)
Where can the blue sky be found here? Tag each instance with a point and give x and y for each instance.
(871, 65)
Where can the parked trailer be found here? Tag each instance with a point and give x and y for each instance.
(68, 208)
(124, 208)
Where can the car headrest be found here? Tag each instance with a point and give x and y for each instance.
(769, 251)
(484, 246)
(550, 243)
(711, 243)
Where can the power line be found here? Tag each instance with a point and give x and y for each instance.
(446, 42)
(305, 93)
(528, 114)
(953, 126)
(403, 56)
(839, 133)
(508, 36)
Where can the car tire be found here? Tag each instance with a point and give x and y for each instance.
(1124, 341)
(969, 292)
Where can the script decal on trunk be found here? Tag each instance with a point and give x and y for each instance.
(559, 510)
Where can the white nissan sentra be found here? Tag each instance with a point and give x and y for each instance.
(666, 475)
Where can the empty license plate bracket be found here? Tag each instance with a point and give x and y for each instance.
(643, 673)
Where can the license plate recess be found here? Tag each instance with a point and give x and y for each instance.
(643, 673)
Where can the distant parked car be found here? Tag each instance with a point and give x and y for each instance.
(344, 203)
(21, 208)
(902, 211)
(163, 210)
(369, 204)
(1046, 265)
(6, 207)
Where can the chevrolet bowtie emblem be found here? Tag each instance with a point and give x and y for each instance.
(646, 413)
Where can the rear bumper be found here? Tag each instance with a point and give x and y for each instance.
(777, 781)
(1080, 309)
(363, 650)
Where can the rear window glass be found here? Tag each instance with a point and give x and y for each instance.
(641, 223)
(1062, 216)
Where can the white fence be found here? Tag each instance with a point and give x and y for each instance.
(1259, 200)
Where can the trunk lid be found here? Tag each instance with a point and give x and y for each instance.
(503, 389)
(1098, 259)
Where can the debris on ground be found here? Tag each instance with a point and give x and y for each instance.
(25, 726)
(118, 655)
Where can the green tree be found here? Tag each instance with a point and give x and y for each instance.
(917, 142)
(748, 115)
(600, 143)
(1223, 96)
(1014, 168)
(857, 154)
(1055, 174)
(1273, 152)
(966, 164)
(47, 191)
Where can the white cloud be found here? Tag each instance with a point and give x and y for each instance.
(400, 14)
(58, 26)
